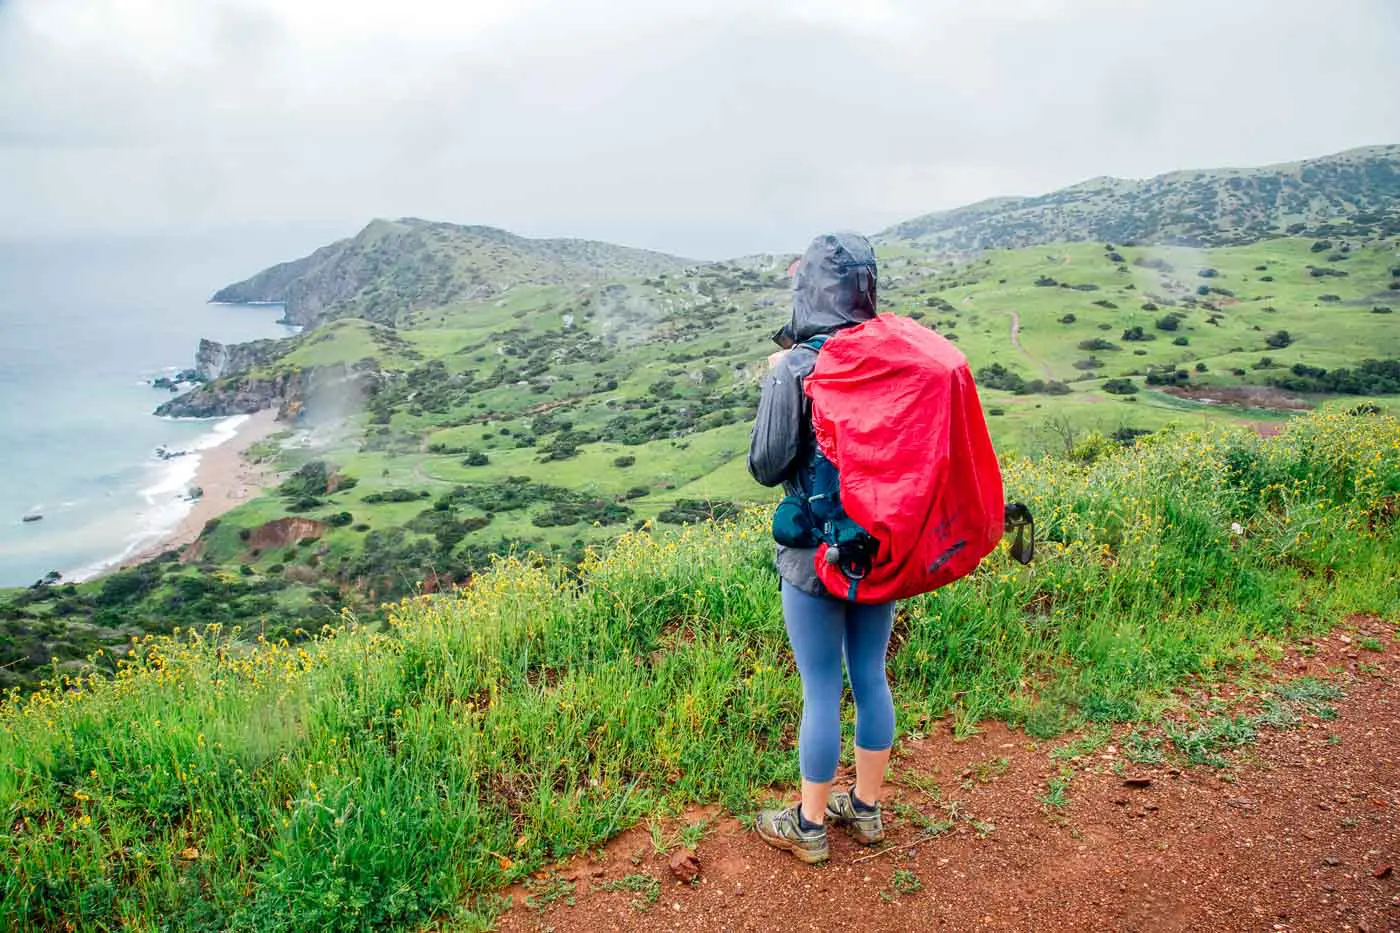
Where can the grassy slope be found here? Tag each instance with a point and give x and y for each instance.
(586, 355)
(391, 268)
(386, 778)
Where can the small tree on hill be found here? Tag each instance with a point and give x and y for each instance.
(1279, 340)
(997, 376)
(1120, 387)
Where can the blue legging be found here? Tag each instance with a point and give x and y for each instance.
(819, 629)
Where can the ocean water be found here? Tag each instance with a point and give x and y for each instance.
(84, 326)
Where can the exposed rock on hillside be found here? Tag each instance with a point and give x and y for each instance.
(312, 391)
(214, 360)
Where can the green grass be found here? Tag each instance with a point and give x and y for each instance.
(1057, 788)
(903, 882)
(387, 778)
(1086, 744)
(646, 887)
(548, 891)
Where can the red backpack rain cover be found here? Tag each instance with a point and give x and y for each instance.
(895, 409)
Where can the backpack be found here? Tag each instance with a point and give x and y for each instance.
(904, 491)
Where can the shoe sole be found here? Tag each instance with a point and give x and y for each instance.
(803, 855)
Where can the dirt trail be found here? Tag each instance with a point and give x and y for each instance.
(1301, 835)
(1016, 342)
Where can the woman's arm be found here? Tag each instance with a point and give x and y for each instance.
(776, 431)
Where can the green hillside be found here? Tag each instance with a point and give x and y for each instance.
(587, 390)
(1214, 207)
(392, 267)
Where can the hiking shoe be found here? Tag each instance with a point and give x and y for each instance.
(865, 826)
(782, 830)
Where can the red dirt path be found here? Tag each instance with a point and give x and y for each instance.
(1300, 835)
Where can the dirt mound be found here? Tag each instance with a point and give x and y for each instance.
(992, 833)
(284, 532)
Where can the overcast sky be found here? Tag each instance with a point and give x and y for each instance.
(706, 128)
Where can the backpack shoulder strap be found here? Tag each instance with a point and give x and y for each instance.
(816, 343)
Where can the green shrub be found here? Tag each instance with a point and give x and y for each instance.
(997, 376)
(311, 480)
(688, 511)
(395, 495)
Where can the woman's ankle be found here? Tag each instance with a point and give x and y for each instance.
(860, 803)
(806, 823)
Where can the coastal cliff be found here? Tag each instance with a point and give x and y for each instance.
(214, 360)
(313, 391)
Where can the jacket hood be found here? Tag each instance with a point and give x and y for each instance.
(834, 286)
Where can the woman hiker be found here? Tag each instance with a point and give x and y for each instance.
(833, 288)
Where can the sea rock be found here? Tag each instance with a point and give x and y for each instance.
(182, 379)
(35, 517)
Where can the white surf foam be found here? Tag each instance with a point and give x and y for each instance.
(165, 501)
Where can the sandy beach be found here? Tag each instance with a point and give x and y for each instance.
(228, 480)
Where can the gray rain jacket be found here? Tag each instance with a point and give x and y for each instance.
(834, 288)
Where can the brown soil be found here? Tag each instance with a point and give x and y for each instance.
(284, 532)
(1241, 396)
(1299, 835)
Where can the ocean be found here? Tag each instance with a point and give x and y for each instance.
(84, 326)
